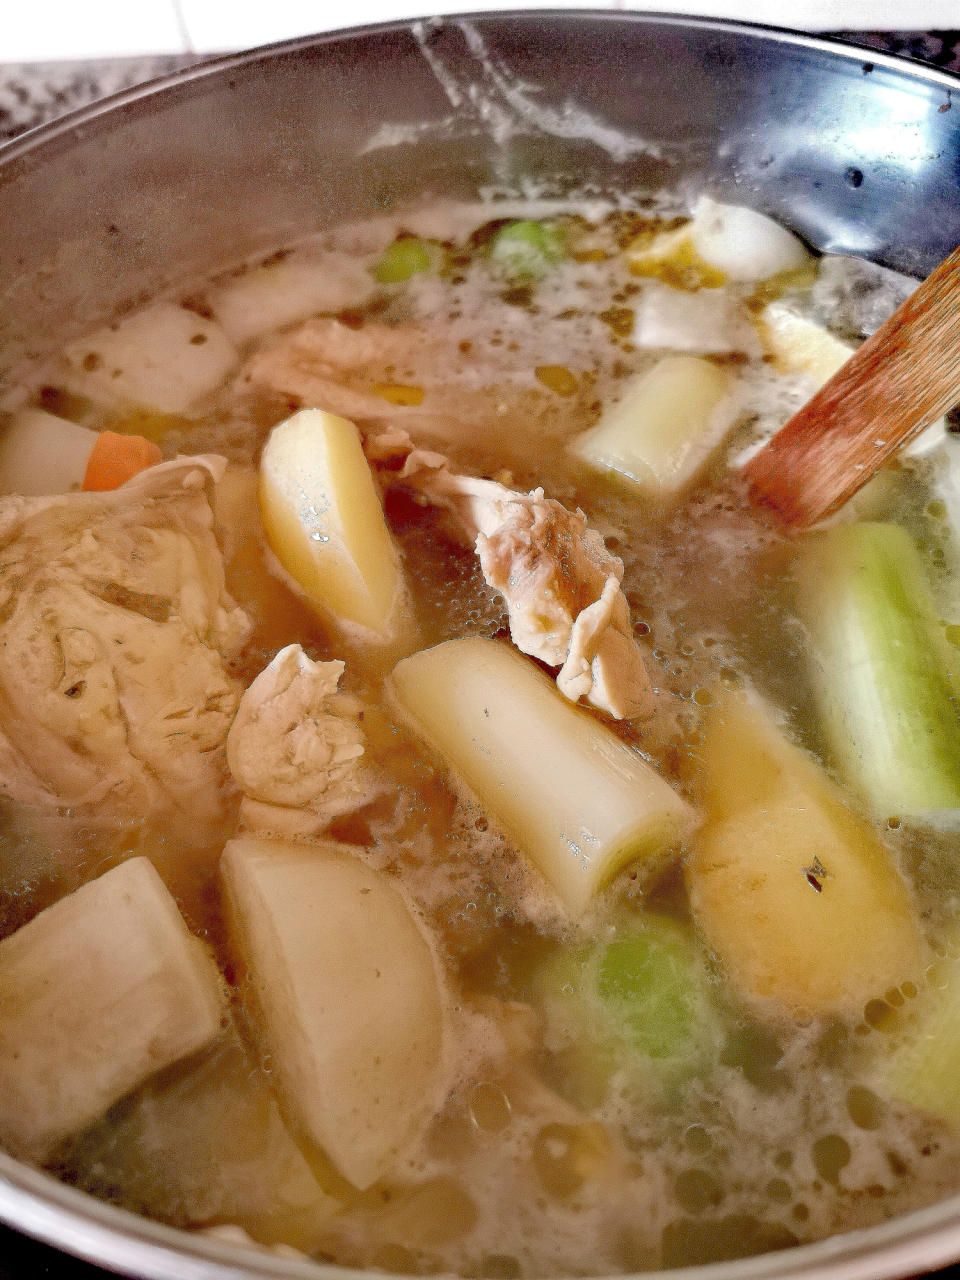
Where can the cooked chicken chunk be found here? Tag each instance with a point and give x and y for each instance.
(295, 746)
(115, 628)
(560, 584)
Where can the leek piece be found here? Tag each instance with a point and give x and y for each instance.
(887, 683)
(405, 257)
(324, 522)
(793, 892)
(635, 1007)
(800, 345)
(526, 251)
(97, 993)
(923, 1067)
(346, 995)
(578, 801)
(665, 426)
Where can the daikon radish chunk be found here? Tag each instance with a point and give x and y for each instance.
(41, 453)
(163, 359)
(346, 995)
(97, 993)
(722, 242)
(324, 522)
(793, 892)
(665, 426)
(284, 290)
(578, 801)
(705, 322)
(800, 345)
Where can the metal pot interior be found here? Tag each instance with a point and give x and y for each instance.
(857, 152)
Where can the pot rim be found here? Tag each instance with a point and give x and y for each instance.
(39, 1205)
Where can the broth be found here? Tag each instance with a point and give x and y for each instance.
(535, 1163)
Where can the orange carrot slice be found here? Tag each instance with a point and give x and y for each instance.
(115, 458)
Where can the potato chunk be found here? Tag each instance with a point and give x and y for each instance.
(347, 997)
(664, 427)
(323, 519)
(800, 345)
(97, 993)
(793, 892)
(579, 802)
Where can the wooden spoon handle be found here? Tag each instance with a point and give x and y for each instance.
(902, 379)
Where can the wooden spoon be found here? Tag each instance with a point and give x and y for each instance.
(902, 379)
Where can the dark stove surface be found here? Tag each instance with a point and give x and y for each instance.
(31, 94)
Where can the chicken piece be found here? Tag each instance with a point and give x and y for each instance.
(115, 628)
(411, 376)
(560, 584)
(295, 745)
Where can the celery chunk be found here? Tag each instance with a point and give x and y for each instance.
(636, 1007)
(526, 251)
(578, 801)
(886, 682)
(407, 256)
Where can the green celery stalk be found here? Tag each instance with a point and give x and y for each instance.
(407, 256)
(885, 679)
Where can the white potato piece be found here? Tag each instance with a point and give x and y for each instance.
(347, 996)
(721, 243)
(42, 454)
(324, 522)
(97, 993)
(282, 291)
(665, 426)
(800, 345)
(578, 801)
(163, 359)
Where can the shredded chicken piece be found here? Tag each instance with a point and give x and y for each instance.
(295, 746)
(115, 629)
(560, 583)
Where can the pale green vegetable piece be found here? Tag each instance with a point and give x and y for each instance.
(407, 256)
(886, 682)
(526, 251)
(346, 995)
(97, 993)
(578, 801)
(665, 426)
(923, 1068)
(41, 453)
(636, 1006)
(164, 359)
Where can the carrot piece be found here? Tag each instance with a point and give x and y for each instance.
(115, 458)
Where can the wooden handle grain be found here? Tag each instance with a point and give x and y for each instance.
(902, 379)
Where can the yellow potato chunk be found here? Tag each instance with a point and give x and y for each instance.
(578, 801)
(97, 993)
(665, 426)
(346, 994)
(324, 522)
(792, 891)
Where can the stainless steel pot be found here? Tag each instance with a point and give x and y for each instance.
(859, 153)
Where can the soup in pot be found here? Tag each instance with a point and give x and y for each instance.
(444, 827)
